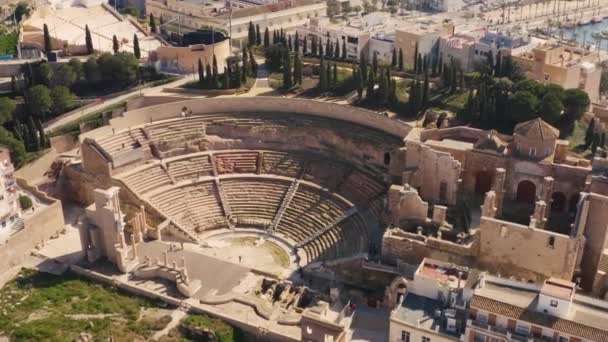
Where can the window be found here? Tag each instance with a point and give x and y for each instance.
(426, 339)
(553, 303)
(482, 317)
(522, 329)
(405, 336)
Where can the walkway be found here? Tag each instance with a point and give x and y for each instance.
(113, 101)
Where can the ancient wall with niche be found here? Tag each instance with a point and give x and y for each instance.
(512, 249)
(436, 174)
(404, 203)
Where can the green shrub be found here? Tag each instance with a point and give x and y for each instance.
(25, 202)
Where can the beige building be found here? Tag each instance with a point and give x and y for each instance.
(504, 310)
(424, 35)
(429, 306)
(568, 66)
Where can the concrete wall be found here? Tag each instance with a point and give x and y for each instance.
(512, 249)
(147, 101)
(185, 59)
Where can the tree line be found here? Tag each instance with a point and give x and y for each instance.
(235, 72)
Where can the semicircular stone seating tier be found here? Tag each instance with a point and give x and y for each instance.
(254, 201)
(174, 131)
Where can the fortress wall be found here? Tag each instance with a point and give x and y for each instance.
(513, 249)
(260, 104)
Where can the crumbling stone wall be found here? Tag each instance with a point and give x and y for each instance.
(511, 249)
(432, 170)
(413, 248)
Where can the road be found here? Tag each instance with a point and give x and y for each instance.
(67, 118)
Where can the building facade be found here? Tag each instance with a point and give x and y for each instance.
(567, 66)
(9, 197)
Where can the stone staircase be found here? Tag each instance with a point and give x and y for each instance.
(289, 194)
(224, 202)
(327, 227)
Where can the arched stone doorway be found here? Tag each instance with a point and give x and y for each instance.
(558, 204)
(394, 293)
(526, 192)
(483, 182)
(573, 203)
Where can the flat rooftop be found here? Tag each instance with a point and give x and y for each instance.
(424, 313)
(587, 317)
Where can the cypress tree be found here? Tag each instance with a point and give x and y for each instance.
(425, 89)
(498, 65)
(152, 23)
(363, 67)
(328, 74)
(88, 40)
(246, 66)
(400, 59)
(416, 59)
(383, 89)
(115, 45)
(322, 79)
(266, 38)
(328, 50)
(297, 69)
(321, 50)
(251, 34)
(275, 37)
(226, 79)
(305, 46)
(314, 46)
(394, 58)
(440, 65)
(358, 83)
(48, 47)
(215, 74)
(289, 44)
(258, 36)
(335, 76)
(287, 72)
(370, 85)
(419, 64)
(136, 51)
(375, 63)
(344, 49)
(434, 66)
(337, 49)
(201, 72)
(253, 65)
(296, 43)
(208, 78)
(33, 134)
(44, 141)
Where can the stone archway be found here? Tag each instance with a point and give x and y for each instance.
(483, 182)
(526, 192)
(395, 291)
(558, 202)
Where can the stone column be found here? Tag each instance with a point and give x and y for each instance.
(547, 192)
(498, 186)
(538, 220)
(488, 208)
(166, 256)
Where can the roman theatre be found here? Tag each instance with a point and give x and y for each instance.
(254, 208)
